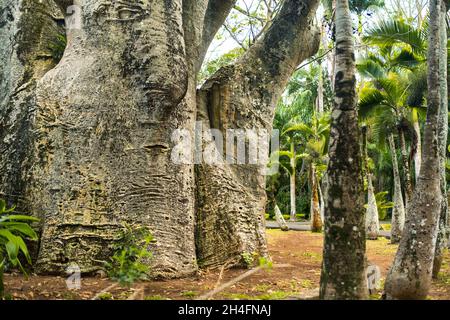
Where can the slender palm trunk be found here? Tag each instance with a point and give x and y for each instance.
(322, 201)
(442, 239)
(343, 270)
(398, 212)
(406, 170)
(316, 221)
(372, 220)
(293, 216)
(418, 153)
(280, 219)
(410, 274)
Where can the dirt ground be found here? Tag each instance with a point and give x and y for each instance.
(296, 272)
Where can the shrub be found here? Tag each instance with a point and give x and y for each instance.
(14, 229)
(130, 260)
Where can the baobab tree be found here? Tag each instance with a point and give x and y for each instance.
(87, 144)
(343, 270)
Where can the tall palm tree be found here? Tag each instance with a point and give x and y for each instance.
(389, 90)
(297, 109)
(386, 104)
(314, 141)
(372, 220)
(402, 47)
(343, 269)
(410, 274)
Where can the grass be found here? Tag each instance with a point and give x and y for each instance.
(189, 294)
(105, 296)
(155, 297)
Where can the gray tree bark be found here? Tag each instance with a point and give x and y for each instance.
(443, 232)
(343, 269)
(398, 211)
(411, 272)
(27, 31)
(98, 130)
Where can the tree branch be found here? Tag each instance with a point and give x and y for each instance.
(290, 39)
(215, 16)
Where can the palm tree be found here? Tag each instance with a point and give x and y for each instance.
(410, 274)
(372, 220)
(402, 48)
(386, 104)
(314, 138)
(343, 269)
(388, 91)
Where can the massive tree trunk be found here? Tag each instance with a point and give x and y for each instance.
(398, 211)
(27, 31)
(97, 133)
(410, 274)
(243, 96)
(443, 235)
(343, 269)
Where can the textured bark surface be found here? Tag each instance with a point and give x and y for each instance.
(27, 30)
(343, 269)
(101, 123)
(406, 171)
(443, 232)
(410, 274)
(102, 120)
(244, 96)
(398, 211)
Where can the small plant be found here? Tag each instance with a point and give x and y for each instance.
(247, 258)
(265, 263)
(105, 296)
(58, 46)
(130, 260)
(14, 229)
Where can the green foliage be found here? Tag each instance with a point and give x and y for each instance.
(248, 258)
(14, 230)
(383, 204)
(105, 296)
(213, 66)
(58, 46)
(130, 260)
(265, 263)
(189, 294)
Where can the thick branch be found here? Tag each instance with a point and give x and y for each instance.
(290, 39)
(216, 14)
